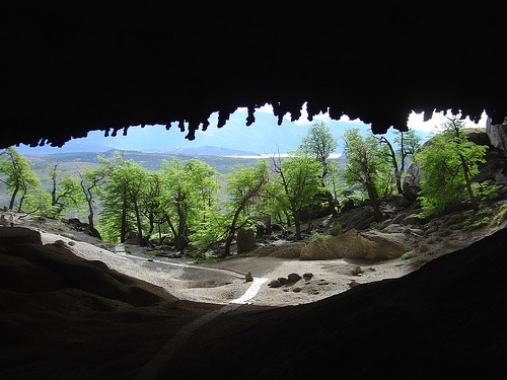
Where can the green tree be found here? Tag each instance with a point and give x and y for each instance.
(319, 143)
(366, 165)
(91, 181)
(298, 176)
(449, 161)
(244, 186)
(151, 206)
(407, 144)
(205, 180)
(38, 201)
(189, 192)
(19, 175)
(66, 193)
(333, 181)
(122, 197)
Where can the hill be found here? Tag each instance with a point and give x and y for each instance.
(151, 161)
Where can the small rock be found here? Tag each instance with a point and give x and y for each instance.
(60, 243)
(297, 290)
(356, 271)
(307, 276)
(293, 277)
(274, 284)
(249, 277)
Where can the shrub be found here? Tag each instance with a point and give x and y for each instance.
(318, 236)
(501, 216)
(407, 255)
(337, 229)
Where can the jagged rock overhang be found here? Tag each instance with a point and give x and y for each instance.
(70, 68)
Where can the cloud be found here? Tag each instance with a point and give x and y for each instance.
(416, 121)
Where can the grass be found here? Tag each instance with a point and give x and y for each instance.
(150, 256)
(318, 236)
(501, 215)
(407, 255)
(484, 222)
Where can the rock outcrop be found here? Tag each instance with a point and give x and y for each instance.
(370, 245)
(497, 135)
(245, 240)
(13, 236)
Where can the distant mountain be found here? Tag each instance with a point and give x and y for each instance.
(204, 151)
(73, 146)
(76, 161)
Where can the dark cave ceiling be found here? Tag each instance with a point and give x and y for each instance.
(72, 67)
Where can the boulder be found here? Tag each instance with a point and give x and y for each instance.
(371, 245)
(286, 251)
(293, 278)
(330, 248)
(245, 240)
(497, 134)
(375, 245)
(394, 228)
(358, 217)
(412, 181)
(13, 236)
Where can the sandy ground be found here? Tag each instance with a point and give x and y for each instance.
(225, 282)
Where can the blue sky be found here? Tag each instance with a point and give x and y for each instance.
(262, 137)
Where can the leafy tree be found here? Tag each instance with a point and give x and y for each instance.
(122, 197)
(151, 206)
(38, 201)
(65, 194)
(449, 161)
(205, 179)
(244, 185)
(135, 190)
(408, 143)
(298, 176)
(188, 194)
(19, 176)
(90, 183)
(366, 165)
(320, 143)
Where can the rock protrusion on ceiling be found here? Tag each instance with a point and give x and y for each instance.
(72, 67)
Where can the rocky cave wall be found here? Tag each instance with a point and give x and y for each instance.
(72, 67)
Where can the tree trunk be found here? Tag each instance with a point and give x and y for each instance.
(297, 223)
(13, 198)
(138, 223)
(394, 162)
(372, 194)
(468, 184)
(123, 232)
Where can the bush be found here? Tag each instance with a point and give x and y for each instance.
(502, 214)
(407, 255)
(318, 236)
(337, 229)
